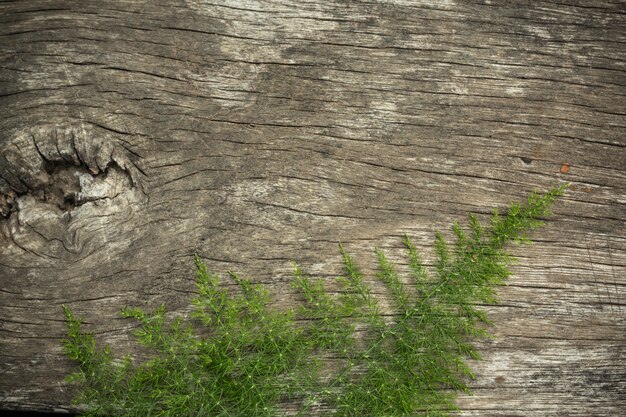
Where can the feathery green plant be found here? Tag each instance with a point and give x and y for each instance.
(337, 354)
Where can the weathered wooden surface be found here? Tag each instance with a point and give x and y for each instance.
(258, 132)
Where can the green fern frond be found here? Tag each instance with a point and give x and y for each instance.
(337, 354)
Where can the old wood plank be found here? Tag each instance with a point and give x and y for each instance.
(260, 132)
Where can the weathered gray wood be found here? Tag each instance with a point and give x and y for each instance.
(259, 132)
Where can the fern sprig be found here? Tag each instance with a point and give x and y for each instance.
(241, 357)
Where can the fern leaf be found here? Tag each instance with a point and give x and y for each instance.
(242, 357)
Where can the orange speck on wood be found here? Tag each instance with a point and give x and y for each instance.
(565, 168)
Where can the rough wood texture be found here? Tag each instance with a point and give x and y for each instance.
(133, 134)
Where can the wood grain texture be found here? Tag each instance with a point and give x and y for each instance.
(259, 132)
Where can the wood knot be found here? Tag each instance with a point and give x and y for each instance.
(64, 168)
(55, 181)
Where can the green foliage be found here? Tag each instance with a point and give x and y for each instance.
(337, 354)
